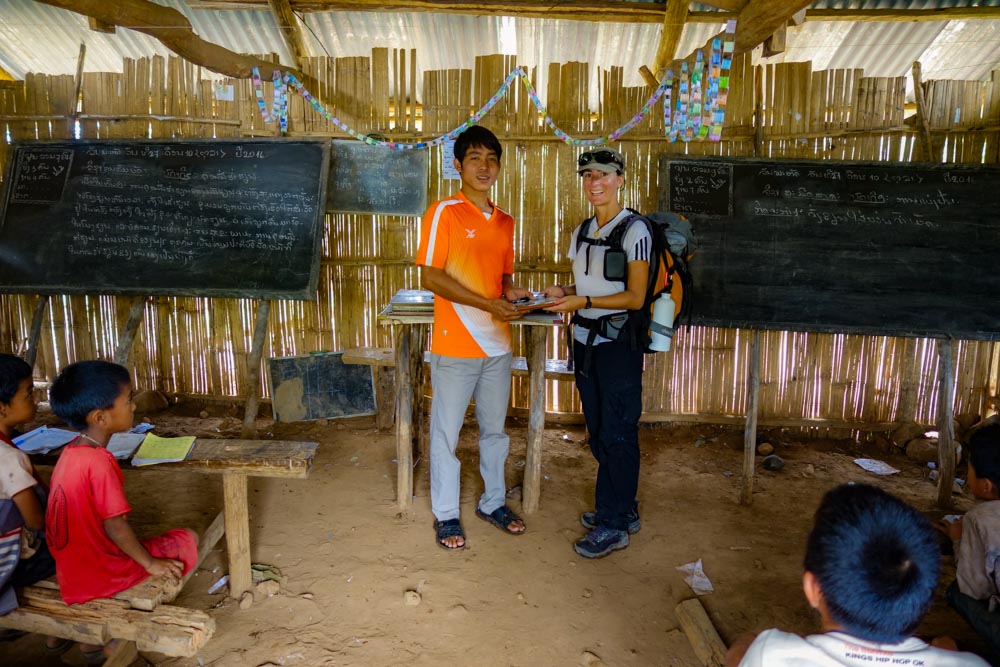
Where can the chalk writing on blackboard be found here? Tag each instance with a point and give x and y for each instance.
(40, 176)
(846, 247)
(218, 218)
(373, 179)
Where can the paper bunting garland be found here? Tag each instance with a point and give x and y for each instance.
(699, 98)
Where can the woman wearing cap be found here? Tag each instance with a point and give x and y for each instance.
(608, 281)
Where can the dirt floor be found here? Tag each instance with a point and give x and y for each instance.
(348, 555)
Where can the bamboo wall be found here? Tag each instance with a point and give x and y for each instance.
(199, 346)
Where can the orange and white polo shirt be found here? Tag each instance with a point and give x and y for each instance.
(476, 251)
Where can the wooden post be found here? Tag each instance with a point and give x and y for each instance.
(77, 87)
(421, 436)
(234, 493)
(123, 654)
(36, 329)
(535, 346)
(906, 407)
(249, 430)
(750, 433)
(704, 638)
(926, 140)
(127, 337)
(404, 417)
(946, 424)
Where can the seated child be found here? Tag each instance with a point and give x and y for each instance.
(872, 564)
(96, 552)
(974, 593)
(24, 556)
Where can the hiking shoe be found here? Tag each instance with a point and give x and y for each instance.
(600, 542)
(589, 520)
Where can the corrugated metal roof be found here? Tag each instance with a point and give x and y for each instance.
(39, 38)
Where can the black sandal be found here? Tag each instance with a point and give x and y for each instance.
(502, 517)
(449, 528)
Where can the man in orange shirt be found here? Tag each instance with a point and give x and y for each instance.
(466, 257)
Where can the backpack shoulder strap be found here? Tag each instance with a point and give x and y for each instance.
(583, 234)
(616, 239)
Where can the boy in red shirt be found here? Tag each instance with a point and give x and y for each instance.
(97, 554)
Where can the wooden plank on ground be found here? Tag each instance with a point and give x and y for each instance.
(705, 640)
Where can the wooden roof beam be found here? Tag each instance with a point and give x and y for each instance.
(290, 30)
(597, 10)
(674, 18)
(757, 21)
(175, 32)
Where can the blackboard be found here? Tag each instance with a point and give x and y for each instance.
(376, 179)
(200, 218)
(319, 386)
(872, 248)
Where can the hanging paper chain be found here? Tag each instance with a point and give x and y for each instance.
(691, 120)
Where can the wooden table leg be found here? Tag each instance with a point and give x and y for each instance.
(421, 425)
(750, 433)
(404, 417)
(535, 343)
(234, 494)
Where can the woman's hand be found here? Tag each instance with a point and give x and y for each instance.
(568, 304)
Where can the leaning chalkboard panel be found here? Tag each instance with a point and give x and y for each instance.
(319, 386)
(187, 218)
(874, 248)
(376, 179)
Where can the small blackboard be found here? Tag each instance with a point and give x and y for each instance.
(319, 386)
(848, 247)
(188, 218)
(376, 179)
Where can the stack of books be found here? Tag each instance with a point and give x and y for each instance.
(412, 302)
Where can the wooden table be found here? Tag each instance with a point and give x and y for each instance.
(236, 460)
(410, 338)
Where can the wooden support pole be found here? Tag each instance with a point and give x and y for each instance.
(234, 491)
(77, 87)
(926, 141)
(535, 345)
(404, 417)
(421, 440)
(288, 23)
(674, 18)
(701, 633)
(906, 407)
(249, 430)
(36, 329)
(946, 424)
(750, 433)
(127, 337)
(775, 44)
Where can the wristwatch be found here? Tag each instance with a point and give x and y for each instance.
(589, 304)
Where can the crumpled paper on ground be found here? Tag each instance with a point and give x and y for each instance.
(694, 576)
(875, 466)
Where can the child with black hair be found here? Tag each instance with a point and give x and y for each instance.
(24, 556)
(975, 593)
(97, 554)
(872, 564)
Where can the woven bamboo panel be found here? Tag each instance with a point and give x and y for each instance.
(200, 346)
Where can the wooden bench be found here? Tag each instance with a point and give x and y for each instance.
(383, 362)
(138, 616)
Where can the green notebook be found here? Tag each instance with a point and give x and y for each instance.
(155, 449)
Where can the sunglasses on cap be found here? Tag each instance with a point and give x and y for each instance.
(600, 157)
